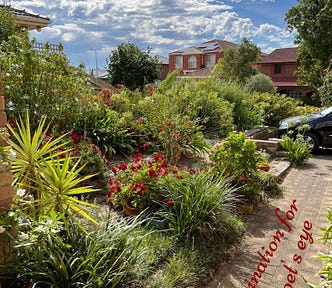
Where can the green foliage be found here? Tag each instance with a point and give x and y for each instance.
(312, 21)
(237, 158)
(43, 83)
(179, 271)
(260, 83)
(31, 151)
(8, 27)
(51, 180)
(325, 91)
(131, 67)
(236, 66)
(50, 256)
(202, 203)
(245, 114)
(108, 128)
(213, 112)
(296, 149)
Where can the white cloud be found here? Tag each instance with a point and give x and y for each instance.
(164, 25)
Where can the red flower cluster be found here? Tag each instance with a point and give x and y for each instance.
(76, 138)
(139, 180)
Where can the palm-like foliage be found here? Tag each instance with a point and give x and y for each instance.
(53, 181)
(60, 184)
(31, 152)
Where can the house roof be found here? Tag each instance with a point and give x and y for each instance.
(280, 55)
(28, 20)
(206, 47)
(188, 51)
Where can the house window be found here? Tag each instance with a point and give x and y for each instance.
(178, 62)
(210, 60)
(192, 62)
(277, 68)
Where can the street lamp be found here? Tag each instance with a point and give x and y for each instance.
(96, 74)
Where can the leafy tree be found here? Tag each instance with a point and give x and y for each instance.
(313, 21)
(43, 83)
(325, 91)
(260, 83)
(8, 26)
(131, 67)
(237, 64)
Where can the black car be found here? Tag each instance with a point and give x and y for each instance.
(319, 132)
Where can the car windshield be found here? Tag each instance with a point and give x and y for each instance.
(326, 111)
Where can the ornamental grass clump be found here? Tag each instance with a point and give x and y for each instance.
(202, 202)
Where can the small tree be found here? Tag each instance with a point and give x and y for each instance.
(131, 67)
(42, 82)
(8, 26)
(312, 21)
(237, 64)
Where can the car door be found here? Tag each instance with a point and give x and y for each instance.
(324, 128)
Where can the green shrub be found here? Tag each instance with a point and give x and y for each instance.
(244, 116)
(43, 83)
(260, 83)
(237, 158)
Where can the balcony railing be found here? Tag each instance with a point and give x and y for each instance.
(52, 47)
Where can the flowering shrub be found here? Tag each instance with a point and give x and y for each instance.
(139, 181)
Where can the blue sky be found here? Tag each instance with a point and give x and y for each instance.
(162, 25)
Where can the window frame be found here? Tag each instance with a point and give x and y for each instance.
(178, 64)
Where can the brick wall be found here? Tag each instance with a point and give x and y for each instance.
(6, 189)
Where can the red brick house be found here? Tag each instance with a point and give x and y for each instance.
(280, 66)
(205, 55)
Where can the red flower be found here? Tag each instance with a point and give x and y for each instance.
(161, 129)
(145, 145)
(94, 148)
(62, 155)
(138, 157)
(169, 202)
(152, 173)
(114, 170)
(243, 179)
(76, 138)
(122, 166)
(158, 157)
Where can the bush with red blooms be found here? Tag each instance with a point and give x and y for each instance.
(138, 181)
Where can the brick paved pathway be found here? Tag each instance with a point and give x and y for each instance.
(288, 254)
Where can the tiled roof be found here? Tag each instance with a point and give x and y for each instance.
(23, 13)
(205, 47)
(222, 44)
(280, 55)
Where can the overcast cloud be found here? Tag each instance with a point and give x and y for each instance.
(162, 25)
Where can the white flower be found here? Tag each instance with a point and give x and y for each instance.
(12, 154)
(11, 214)
(23, 236)
(21, 192)
(2, 229)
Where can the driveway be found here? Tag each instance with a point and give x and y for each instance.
(281, 238)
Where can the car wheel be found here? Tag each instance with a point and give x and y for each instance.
(312, 141)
